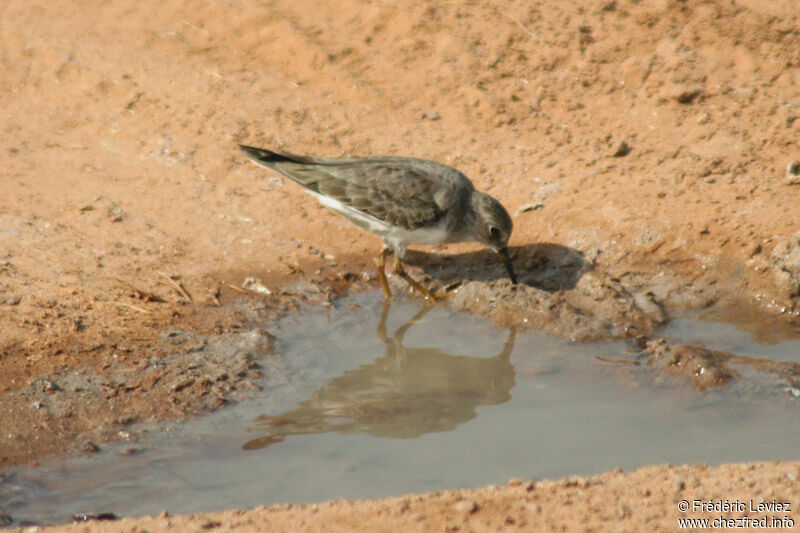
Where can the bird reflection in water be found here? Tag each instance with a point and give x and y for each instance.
(404, 394)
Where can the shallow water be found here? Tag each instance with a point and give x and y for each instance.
(366, 401)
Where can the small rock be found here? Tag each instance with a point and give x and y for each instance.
(620, 149)
(648, 304)
(624, 511)
(431, 115)
(788, 286)
(255, 285)
(116, 214)
(466, 506)
(45, 385)
(793, 173)
(658, 347)
(13, 300)
(786, 256)
(533, 507)
(686, 94)
(753, 249)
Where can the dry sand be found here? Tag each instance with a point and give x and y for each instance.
(656, 142)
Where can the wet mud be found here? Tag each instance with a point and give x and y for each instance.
(559, 291)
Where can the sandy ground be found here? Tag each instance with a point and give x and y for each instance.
(647, 151)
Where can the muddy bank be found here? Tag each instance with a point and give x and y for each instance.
(191, 368)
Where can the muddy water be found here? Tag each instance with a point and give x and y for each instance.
(367, 401)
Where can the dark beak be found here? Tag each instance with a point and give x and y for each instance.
(507, 262)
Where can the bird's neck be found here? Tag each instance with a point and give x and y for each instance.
(462, 224)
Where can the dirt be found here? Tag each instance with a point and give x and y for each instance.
(616, 501)
(647, 152)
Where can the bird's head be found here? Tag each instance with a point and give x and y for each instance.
(493, 227)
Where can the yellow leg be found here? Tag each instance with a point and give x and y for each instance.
(400, 271)
(380, 263)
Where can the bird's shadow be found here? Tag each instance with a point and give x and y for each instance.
(546, 266)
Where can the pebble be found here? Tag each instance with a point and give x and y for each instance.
(620, 149)
(255, 285)
(466, 506)
(686, 94)
(91, 447)
(793, 173)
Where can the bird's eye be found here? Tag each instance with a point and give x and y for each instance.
(494, 232)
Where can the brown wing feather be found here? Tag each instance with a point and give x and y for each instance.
(391, 193)
(402, 191)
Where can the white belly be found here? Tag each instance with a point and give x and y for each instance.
(396, 238)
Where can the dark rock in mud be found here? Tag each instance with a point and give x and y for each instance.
(705, 368)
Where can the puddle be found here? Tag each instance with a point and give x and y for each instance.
(779, 345)
(363, 401)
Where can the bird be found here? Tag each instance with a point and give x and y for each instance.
(404, 200)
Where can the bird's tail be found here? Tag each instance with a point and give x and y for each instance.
(269, 158)
(304, 170)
